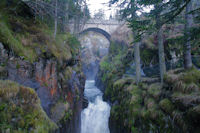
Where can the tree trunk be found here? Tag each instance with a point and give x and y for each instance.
(161, 54)
(65, 19)
(187, 46)
(137, 61)
(136, 48)
(56, 18)
(75, 25)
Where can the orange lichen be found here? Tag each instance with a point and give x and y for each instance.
(48, 78)
(53, 91)
(70, 97)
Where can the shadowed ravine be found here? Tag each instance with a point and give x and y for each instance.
(94, 118)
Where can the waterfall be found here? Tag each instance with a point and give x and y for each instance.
(94, 118)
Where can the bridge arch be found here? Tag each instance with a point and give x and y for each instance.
(98, 30)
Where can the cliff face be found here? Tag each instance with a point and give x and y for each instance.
(54, 84)
(30, 56)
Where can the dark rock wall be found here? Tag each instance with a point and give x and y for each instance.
(46, 77)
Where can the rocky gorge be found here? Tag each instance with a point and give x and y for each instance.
(64, 71)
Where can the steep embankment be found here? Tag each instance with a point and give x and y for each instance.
(20, 109)
(148, 107)
(31, 56)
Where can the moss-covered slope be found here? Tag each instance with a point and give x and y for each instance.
(20, 110)
(31, 38)
(149, 107)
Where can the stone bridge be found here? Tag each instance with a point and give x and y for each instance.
(104, 27)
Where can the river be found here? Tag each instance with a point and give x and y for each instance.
(94, 118)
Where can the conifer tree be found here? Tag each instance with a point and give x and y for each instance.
(162, 12)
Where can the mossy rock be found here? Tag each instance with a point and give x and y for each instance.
(166, 105)
(179, 120)
(150, 103)
(149, 80)
(145, 114)
(144, 86)
(136, 95)
(191, 76)
(180, 86)
(58, 112)
(136, 110)
(194, 114)
(155, 114)
(155, 90)
(184, 81)
(171, 77)
(185, 101)
(122, 82)
(20, 110)
(152, 111)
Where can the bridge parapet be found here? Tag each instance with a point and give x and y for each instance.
(104, 22)
(108, 26)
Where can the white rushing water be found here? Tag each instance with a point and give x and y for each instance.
(94, 118)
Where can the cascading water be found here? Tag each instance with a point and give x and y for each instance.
(94, 118)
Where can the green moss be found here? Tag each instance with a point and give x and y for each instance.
(146, 56)
(184, 81)
(191, 76)
(166, 105)
(67, 116)
(183, 101)
(104, 64)
(3, 72)
(122, 82)
(20, 110)
(8, 38)
(73, 43)
(116, 48)
(136, 94)
(17, 66)
(60, 49)
(150, 103)
(32, 39)
(134, 129)
(179, 119)
(155, 90)
(193, 113)
(68, 73)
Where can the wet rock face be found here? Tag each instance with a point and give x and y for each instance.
(94, 48)
(46, 74)
(53, 89)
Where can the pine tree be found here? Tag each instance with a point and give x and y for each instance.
(129, 13)
(162, 12)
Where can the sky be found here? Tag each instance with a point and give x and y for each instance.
(95, 5)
